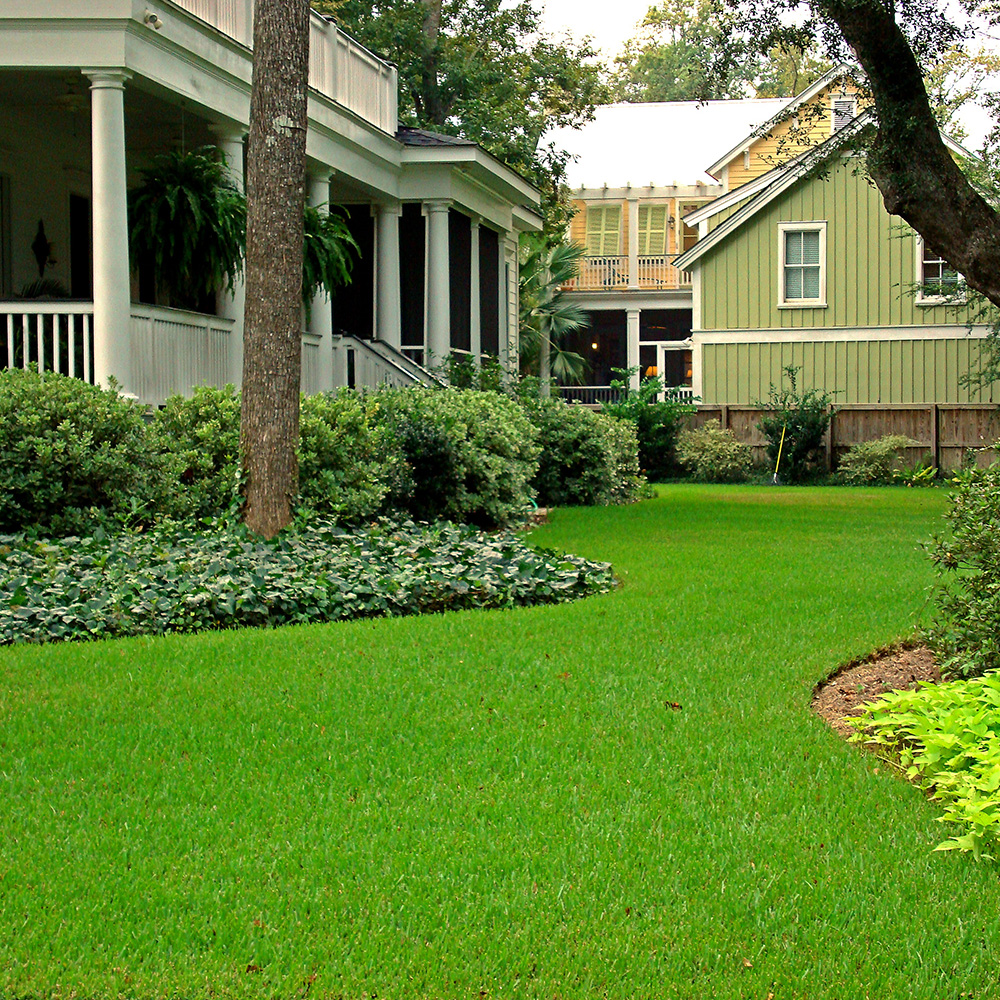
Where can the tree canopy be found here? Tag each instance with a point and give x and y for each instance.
(483, 70)
(684, 52)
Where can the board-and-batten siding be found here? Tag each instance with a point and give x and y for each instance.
(871, 269)
(870, 263)
(859, 371)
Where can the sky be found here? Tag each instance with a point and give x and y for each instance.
(608, 24)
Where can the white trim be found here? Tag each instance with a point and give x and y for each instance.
(784, 228)
(922, 300)
(802, 335)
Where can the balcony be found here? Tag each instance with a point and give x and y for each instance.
(601, 274)
(339, 67)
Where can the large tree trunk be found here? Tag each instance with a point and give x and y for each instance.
(272, 352)
(916, 174)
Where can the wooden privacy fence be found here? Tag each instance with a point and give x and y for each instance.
(946, 433)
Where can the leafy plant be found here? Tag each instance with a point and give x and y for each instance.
(71, 454)
(877, 461)
(657, 421)
(547, 315)
(327, 255)
(179, 579)
(965, 633)
(713, 455)
(803, 419)
(586, 458)
(947, 738)
(187, 221)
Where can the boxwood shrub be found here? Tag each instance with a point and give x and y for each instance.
(72, 455)
(587, 458)
(468, 456)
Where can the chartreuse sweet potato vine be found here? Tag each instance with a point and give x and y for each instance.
(947, 739)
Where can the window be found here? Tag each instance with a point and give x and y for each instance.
(937, 281)
(843, 112)
(802, 254)
(652, 230)
(604, 223)
(689, 234)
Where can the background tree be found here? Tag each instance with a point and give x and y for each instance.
(685, 52)
(272, 353)
(483, 70)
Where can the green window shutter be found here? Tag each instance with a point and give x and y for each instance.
(652, 230)
(604, 230)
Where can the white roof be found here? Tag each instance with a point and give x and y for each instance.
(659, 144)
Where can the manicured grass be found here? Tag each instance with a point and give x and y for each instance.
(502, 803)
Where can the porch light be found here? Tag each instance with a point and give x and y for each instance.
(593, 344)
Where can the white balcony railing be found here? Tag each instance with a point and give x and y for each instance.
(339, 67)
(50, 336)
(654, 271)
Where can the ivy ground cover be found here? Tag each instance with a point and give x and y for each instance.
(623, 797)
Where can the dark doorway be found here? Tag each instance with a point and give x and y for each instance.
(354, 305)
(602, 345)
(81, 262)
(489, 291)
(460, 265)
(411, 278)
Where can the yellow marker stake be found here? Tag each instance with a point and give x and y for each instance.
(781, 445)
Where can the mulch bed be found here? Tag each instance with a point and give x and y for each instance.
(892, 669)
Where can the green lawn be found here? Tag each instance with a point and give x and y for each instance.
(502, 803)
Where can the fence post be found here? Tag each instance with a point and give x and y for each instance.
(725, 417)
(935, 436)
(829, 440)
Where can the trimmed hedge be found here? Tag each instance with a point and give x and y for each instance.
(587, 458)
(713, 455)
(72, 455)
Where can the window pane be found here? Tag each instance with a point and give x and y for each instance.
(810, 282)
(793, 248)
(793, 283)
(810, 247)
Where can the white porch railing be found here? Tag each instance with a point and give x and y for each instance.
(652, 271)
(52, 336)
(592, 395)
(174, 350)
(339, 67)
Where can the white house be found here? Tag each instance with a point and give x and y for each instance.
(91, 90)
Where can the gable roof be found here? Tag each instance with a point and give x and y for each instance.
(776, 181)
(787, 108)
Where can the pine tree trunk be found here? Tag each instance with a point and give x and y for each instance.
(275, 182)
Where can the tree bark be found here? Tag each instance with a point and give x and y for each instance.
(913, 169)
(275, 182)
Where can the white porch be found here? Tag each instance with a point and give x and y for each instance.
(92, 90)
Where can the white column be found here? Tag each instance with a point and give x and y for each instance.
(475, 330)
(112, 301)
(633, 242)
(438, 335)
(321, 308)
(509, 318)
(388, 312)
(632, 346)
(231, 301)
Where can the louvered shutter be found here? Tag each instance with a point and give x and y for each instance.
(603, 230)
(652, 230)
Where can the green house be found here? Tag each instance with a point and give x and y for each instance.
(803, 266)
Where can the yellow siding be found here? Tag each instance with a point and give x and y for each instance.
(787, 139)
